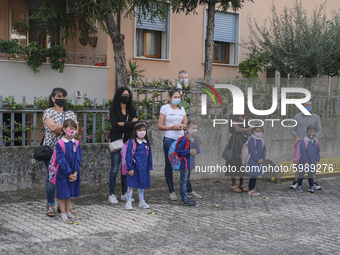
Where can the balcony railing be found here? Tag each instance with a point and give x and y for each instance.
(76, 58)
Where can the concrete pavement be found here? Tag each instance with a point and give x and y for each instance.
(281, 221)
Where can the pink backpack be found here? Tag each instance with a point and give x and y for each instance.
(123, 152)
(245, 155)
(297, 153)
(53, 167)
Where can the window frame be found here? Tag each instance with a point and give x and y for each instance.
(159, 45)
(227, 54)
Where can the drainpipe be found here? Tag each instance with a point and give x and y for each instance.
(119, 29)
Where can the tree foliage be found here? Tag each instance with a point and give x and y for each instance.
(298, 44)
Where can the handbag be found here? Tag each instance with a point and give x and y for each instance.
(42, 152)
(228, 152)
(118, 144)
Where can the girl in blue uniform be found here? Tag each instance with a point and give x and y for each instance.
(257, 151)
(310, 158)
(139, 166)
(68, 175)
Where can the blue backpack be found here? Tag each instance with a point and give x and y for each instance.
(175, 159)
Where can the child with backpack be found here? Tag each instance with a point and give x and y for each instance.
(68, 156)
(257, 154)
(187, 149)
(138, 165)
(309, 159)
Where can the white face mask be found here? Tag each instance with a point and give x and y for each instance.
(258, 135)
(193, 131)
(184, 81)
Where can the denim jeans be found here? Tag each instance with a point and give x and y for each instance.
(252, 182)
(183, 183)
(115, 161)
(168, 169)
(189, 188)
(50, 187)
(310, 179)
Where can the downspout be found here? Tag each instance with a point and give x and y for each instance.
(119, 29)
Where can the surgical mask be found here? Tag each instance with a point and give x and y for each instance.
(309, 108)
(192, 131)
(60, 102)
(141, 134)
(71, 133)
(176, 101)
(124, 99)
(258, 135)
(311, 136)
(184, 81)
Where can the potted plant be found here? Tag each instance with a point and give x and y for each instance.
(83, 41)
(93, 41)
(34, 55)
(57, 58)
(21, 27)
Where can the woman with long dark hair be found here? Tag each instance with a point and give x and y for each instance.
(240, 131)
(123, 118)
(53, 119)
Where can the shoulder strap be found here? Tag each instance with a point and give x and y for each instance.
(306, 143)
(187, 145)
(62, 145)
(133, 147)
(77, 143)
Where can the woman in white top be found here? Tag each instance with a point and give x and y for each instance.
(173, 120)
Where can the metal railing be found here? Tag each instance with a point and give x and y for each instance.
(19, 126)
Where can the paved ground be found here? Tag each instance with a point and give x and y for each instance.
(280, 222)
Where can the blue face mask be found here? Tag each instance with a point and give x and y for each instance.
(309, 108)
(184, 81)
(176, 101)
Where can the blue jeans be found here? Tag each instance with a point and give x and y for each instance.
(183, 183)
(168, 169)
(50, 187)
(189, 188)
(115, 161)
(252, 182)
(310, 179)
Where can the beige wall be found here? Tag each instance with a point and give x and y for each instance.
(187, 39)
(4, 20)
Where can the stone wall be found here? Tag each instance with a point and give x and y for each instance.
(20, 174)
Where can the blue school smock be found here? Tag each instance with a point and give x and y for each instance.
(69, 162)
(186, 153)
(142, 166)
(310, 155)
(256, 152)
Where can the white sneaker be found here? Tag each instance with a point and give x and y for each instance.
(143, 205)
(124, 198)
(172, 196)
(113, 199)
(193, 194)
(128, 206)
(294, 185)
(316, 186)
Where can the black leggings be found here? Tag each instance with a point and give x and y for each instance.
(252, 182)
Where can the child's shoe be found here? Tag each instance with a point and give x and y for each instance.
(143, 205)
(299, 189)
(294, 185)
(72, 217)
(316, 186)
(128, 206)
(172, 196)
(64, 218)
(193, 194)
(311, 189)
(188, 202)
(124, 198)
(113, 199)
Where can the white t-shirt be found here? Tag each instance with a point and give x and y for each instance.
(173, 117)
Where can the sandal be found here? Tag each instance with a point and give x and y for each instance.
(51, 211)
(254, 193)
(64, 218)
(188, 202)
(235, 189)
(241, 187)
(59, 211)
(72, 217)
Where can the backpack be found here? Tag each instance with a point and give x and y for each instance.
(245, 155)
(53, 167)
(175, 159)
(297, 153)
(123, 152)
